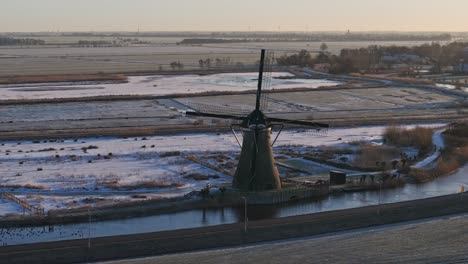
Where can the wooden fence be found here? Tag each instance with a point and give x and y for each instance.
(24, 204)
(208, 165)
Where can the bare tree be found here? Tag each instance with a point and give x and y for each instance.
(323, 47)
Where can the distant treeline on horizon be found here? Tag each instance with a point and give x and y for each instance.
(254, 34)
(198, 38)
(321, 38)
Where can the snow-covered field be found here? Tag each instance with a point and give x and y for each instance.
(74, 173)
(9, 207)
(157, 85)
(450, 87)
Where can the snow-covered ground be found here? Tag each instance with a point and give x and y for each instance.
(61, 174)
(8, 207)
(157, 85)
(450, 87)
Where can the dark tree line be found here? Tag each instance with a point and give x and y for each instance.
(6, 41)
(364, 59)
(437, 54)
(176, 65)
(312, 37)
(219, 62)
(94, 43)
(305, 59)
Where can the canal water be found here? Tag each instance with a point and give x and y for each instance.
(197, 218)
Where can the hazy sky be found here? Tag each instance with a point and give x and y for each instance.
(235, 15)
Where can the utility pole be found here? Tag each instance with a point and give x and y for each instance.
(380, 194)
(89, 229)
(246, 219)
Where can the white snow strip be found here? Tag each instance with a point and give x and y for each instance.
(157, 85)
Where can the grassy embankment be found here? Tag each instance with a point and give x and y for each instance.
(453, 156)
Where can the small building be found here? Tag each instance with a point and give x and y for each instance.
(461, 68)
(337, 178)
(405, 58)
(322, 67)
(465, 53)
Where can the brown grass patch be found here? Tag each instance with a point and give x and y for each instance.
(26, 186)
(420, 137)
(169, 154)
(62, 78)
(373, 156)
(115, 185)
(201, 177)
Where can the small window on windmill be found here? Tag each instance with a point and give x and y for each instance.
(337, 178)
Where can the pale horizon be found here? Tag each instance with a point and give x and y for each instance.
(241, 15)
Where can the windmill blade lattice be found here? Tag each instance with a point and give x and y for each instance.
(307, 127)
(266, 80)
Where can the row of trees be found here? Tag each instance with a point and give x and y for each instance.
(94, 43)
(207, 63)
(176, 65)
(223, 37)
(338, 64)
(219, 62)
(6, 41)
(438, 55)
(119, 42)
(365, 59)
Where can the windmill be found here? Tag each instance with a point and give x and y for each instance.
(256, 170)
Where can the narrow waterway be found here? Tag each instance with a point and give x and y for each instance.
(197, 218)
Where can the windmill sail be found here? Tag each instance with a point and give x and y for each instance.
(256, 170)
(267, 78)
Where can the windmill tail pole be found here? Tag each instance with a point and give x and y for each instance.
(260, 78)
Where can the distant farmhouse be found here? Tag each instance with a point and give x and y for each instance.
(465, 53)
(405, 58)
